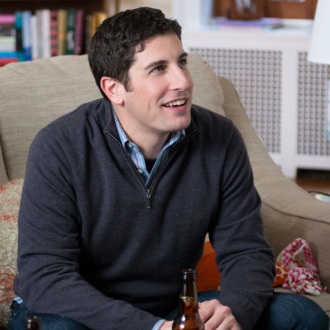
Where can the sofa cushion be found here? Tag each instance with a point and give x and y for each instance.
(207, 89)
(32, 95)
(208, 275)
(10, 195)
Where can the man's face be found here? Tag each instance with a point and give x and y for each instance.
(158, 98)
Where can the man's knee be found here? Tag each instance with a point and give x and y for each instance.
(48, 321)
(292, 311)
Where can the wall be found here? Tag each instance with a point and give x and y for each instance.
(164, 5)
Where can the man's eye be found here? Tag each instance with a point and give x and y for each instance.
(183, 62)
(158, 68)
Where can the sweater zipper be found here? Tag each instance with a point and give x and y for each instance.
(149, 201)
(149, 189)
(157, 175)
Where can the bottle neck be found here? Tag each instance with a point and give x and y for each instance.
(188, 317)
(188, 297)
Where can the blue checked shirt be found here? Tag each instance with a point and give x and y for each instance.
(137, 157)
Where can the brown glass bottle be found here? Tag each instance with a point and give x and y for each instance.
(188, 317)
(32, 323)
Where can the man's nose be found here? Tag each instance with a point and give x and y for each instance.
(180, 78)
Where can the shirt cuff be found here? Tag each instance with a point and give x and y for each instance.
(158, 325)
(18, 300)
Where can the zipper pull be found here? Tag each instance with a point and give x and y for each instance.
(148, 194)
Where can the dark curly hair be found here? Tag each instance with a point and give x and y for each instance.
(112, 48)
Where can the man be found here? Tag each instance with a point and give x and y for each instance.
(119, 195)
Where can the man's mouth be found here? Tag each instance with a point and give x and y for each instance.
(177, 103)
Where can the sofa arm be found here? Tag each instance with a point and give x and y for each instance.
(288, 211)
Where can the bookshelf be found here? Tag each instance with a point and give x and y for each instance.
(9, 6)
(31, 29)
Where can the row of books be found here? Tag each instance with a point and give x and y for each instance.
(26, 36)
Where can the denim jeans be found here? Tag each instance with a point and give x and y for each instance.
(285, 311)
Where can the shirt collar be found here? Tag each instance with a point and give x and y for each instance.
(175, 136)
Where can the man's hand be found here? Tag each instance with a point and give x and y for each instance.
(217, 316)
(214, 315)
(166, 325)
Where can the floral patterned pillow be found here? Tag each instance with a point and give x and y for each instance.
(10, 196)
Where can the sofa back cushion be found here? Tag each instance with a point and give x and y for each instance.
(35, 93)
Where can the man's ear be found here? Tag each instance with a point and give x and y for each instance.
(112, 89)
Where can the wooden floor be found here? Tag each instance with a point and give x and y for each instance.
(314, 180)
(317, 185)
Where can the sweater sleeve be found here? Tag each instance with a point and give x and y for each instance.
(49, 280)
(243, 255)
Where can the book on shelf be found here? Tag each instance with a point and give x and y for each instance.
(34, 37)
(92, 21)
(7, 44)
(79, 32)
(70, 31)
(27, 35)
(53, 32)
(4, 61)
(8, 39)
(61, 31)
(19, 36)
(43, 33)
(7, 25)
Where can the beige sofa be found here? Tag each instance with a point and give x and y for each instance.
(34, 93)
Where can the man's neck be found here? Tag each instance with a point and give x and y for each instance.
(149, 145)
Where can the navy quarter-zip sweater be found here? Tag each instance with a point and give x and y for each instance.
(98, 246)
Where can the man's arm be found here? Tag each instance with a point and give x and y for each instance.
(244, 258)
(49, 248)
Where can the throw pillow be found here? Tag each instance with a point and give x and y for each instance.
(10, 196)
(208, 274)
